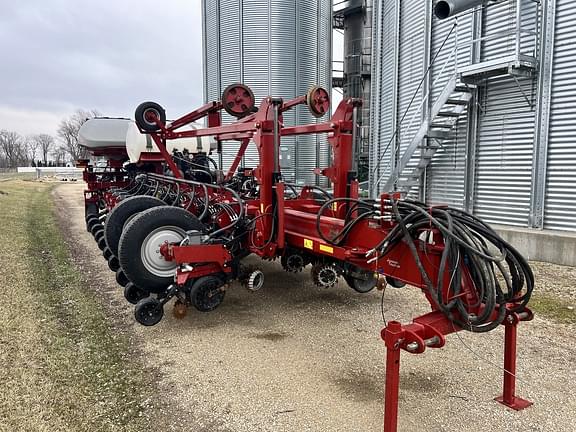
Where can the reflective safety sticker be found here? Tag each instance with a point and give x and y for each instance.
(328, 249)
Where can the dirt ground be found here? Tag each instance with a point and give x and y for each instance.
(293, 357)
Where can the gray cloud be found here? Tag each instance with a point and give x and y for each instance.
(59, 55)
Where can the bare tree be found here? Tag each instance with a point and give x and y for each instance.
(68, 132)
(59, 155)
(45, 143)
(32, 147)
(13, 148)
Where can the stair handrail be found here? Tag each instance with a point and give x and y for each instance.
(397, 129)
(395, 173)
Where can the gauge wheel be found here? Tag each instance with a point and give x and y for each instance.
(139, 249)
(207, 294)
(133, 294)
(148, 311)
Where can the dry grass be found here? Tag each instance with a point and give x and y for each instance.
(62, 366)
(17, 176)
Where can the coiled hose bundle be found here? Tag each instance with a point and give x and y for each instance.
(499, 273)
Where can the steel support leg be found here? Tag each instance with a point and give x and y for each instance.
(509, 397)
(392, 335)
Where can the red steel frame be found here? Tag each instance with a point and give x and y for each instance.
(296, 228)
(99, 181)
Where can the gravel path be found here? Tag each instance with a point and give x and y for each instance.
(294, 357)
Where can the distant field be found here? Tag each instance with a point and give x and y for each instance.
(16, 176)
(62, 365)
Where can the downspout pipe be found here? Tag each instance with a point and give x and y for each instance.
(447, 8)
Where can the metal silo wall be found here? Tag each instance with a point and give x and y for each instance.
(382, 93)
(410, 74)
(278, 48)
(396, 97)
(560, 204)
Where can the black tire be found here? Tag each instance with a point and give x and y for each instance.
(149, 311)
(133, 294)
(107, 253)
(113, 263)
(93, 216)
(92, 223)
(90, 209)
(140, 116)
(205, 294)
(96, 229)
(123, 213)
(121, 278)
(98, 236)
(151, 272)
(101, 243)
(361, 285)
(394, 283)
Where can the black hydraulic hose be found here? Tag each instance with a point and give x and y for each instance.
(347, 227)
(207, 186)
(240, 214)
(318, 188)
(178, 195)
(467, 242)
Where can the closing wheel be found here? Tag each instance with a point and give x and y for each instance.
(395, 283)
(122, 214)
(363, 284)
(149, 311)
(207, 294)
(121, 278)
(238, 100)
(141, 241)
(147, 114)
(318, 101)
(113, 263)
(133, 294)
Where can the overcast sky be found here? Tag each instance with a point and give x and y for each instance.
(60, 55)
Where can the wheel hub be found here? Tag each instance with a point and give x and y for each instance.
(151, 256)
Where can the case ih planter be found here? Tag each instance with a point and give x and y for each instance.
(180, 229)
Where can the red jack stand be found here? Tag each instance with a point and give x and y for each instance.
(391, 335)
(428, 331)
(509, 397)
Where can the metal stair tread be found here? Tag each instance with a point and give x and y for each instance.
(449, 114)
(457, 102)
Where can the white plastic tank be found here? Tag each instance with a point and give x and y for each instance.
(138, 143)
(103, 132)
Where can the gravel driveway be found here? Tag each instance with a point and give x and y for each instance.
(294, 357)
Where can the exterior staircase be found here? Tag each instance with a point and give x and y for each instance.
(451, 104)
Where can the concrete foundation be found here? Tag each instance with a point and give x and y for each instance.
(556, 247)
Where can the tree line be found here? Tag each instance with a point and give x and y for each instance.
(44, 149)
